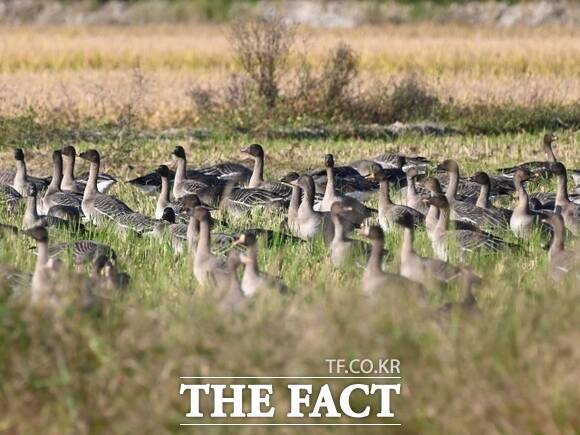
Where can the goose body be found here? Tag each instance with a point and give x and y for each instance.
(83, 251)
(208, 268)
(54, 196)
(341, 246)
(523, 220)
(256, 152)
(563, 263)
(73, 184)
(9, 198)
(537, 168)
(95, 205)
(311, 223)
(570, 211)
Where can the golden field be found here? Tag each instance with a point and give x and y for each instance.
(92, 69)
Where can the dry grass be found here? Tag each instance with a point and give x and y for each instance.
(90, 69)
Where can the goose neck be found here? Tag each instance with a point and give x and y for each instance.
(257, 177)
(483, 198)
(384, 195)
(443, 221)
(203, 244)
(68, 165)
(329, 191)
(523, 199)
(453, 185)
(562, 191)
(375, 263)
(407, 246)
(91, 187)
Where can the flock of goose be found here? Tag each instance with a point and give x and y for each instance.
(329, 203)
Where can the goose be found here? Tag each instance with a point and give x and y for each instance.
(374, 277)
(253, 280)
(394, 172)
(77, 185)
(177, 231)
(163, 200)
(466, 211)
(537, 168)
(189, 182)
(294, 204)
(21, 178)
(423, 270)
(342, 247)
(346, 181)
(393, 159)
(97, 206)
(111, 278)
(45, 269)
(32, 219)
(433, 186)
(569, 210)
(233, 299)
(483, 201)
(136, 222)
(467, 240)
(9, 198)
(469, 303)
(414, 198)
(256, 152)
(83, 251)
(523, 220)
(237, 200)
(310, 223)
(208, 268)
(229, 171)
(54, 196)
(562, 262)
(388, 211)
(358, 212)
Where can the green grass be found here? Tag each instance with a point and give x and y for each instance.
(515, 369)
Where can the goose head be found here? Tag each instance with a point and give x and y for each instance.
(168, 215)
(329, 161)
(448, 166)
(255, 151)
(40, 234)
(439, 201)
(190, 202)
(163, 171)
(69, 151)
(412, 172)
(338, 207)
(480, 178)
(433, 185)
(305, 182)
(19, 155)
(201, 214)
(246, 239)
(549, 140)
(522, 175)
(91, 156)
(373, 232)
(377, 174)
(289, 178)
(179, 152)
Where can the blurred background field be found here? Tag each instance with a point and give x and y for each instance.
(476, 81)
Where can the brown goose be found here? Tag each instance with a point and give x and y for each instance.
(310, 223)
(208, 268)
(73, 184)
(537, 168)
(233, 299)
(523, 220)
(468, 305)
(424, 270)
(374, 277)
(341, 246)
(562, 263)
(32, 219)
(414, 199)
(358, 211)
(256, 152)
(45, 270)
(389, 212)
(21, 179)
(253, 280)
(466, 240)
(570, 211)
(188, 182)
(466, 211)
(97, 206)
(54, 196)
(483, 201)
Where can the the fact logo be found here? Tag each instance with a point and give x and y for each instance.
(291, 400)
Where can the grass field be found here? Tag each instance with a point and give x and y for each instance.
(514, 369)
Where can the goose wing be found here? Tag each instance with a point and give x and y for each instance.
(83, 251)
(110, 206)
(229, 171)
(440, 270)
(136, 222)
(9, 197)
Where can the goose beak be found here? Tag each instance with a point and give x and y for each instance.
(347, 209)
(370, 177)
